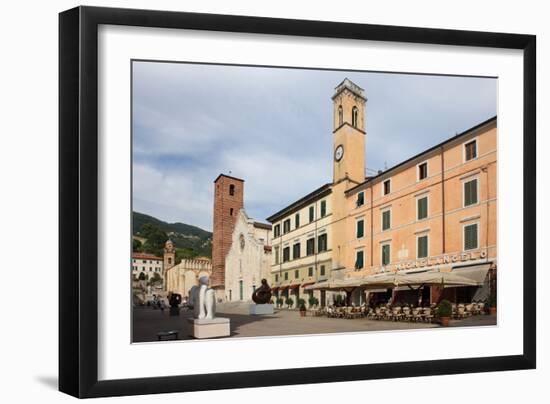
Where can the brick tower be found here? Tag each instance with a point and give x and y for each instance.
(228, 200)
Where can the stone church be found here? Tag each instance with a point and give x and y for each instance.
(248, 260)
(241, 247)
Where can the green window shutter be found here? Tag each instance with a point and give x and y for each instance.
(422, 208)
(422, 247)
(359, 260)
(311, 214)
(385, 254)
(360, 228)
(470, 237)
(470, 192)
(323, 208)
(386, 220)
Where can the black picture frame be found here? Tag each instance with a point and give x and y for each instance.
(78, 196)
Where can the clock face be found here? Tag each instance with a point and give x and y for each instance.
(339, 153)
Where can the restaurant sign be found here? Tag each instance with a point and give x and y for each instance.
(442, 259)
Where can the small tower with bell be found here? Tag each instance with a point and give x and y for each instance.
(169, 255)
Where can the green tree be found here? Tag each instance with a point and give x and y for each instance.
(136, 245)
(142, 276)
(155, 279)
(155, 239)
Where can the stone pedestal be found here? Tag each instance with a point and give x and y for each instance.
(261, 309)
(210, 328)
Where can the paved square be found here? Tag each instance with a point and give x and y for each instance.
(148, 322)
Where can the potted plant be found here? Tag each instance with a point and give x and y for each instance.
(280, 301)
(313, 301)
(492, 303)
(302, 306)
(289, 302)
(444, 312)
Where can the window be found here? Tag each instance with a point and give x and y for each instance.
(296, 274)
(359, 259)
(286, 276)
(360, 199)
(296, 251)
(340, 116)
(145, 261)
(276, 255)
(470, 192)
(385, 254)
(322, 270)
(150, 269)
(231, 189)
(169, 261)
(422, 246)
(241, 290)
(276, 278)
(277, 231)
(422, 208)
(286, 226)
(322, 242)
(286, 254)
(297, 220)
(360, 228)
(231, 212)
(354, 117)
(470, 237)
(323, 208)
(470, 150)
(310, 246)
(422, 171)
(311, 214)
(387, 187)
(386, 220)
(310, 271)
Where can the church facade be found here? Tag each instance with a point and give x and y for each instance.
(248, 260)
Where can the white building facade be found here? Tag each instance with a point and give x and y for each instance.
(147, 264)
(249, 258)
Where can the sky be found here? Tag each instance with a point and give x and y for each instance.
(272, 127)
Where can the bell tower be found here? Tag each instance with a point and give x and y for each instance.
(348, 159)
(228, 200)
(349, 132)
(169, 259)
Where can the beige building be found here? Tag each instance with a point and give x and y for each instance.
(248, 259)
(182, 277)
(302, 245)
(433, 212)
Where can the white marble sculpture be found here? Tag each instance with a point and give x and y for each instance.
(202, 299)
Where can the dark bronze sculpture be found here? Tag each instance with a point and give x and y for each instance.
(262, 295)
(174, 300)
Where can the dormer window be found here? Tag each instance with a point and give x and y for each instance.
(354, 117)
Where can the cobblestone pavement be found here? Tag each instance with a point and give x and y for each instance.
(147, 322)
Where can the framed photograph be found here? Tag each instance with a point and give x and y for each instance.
(250, 201)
